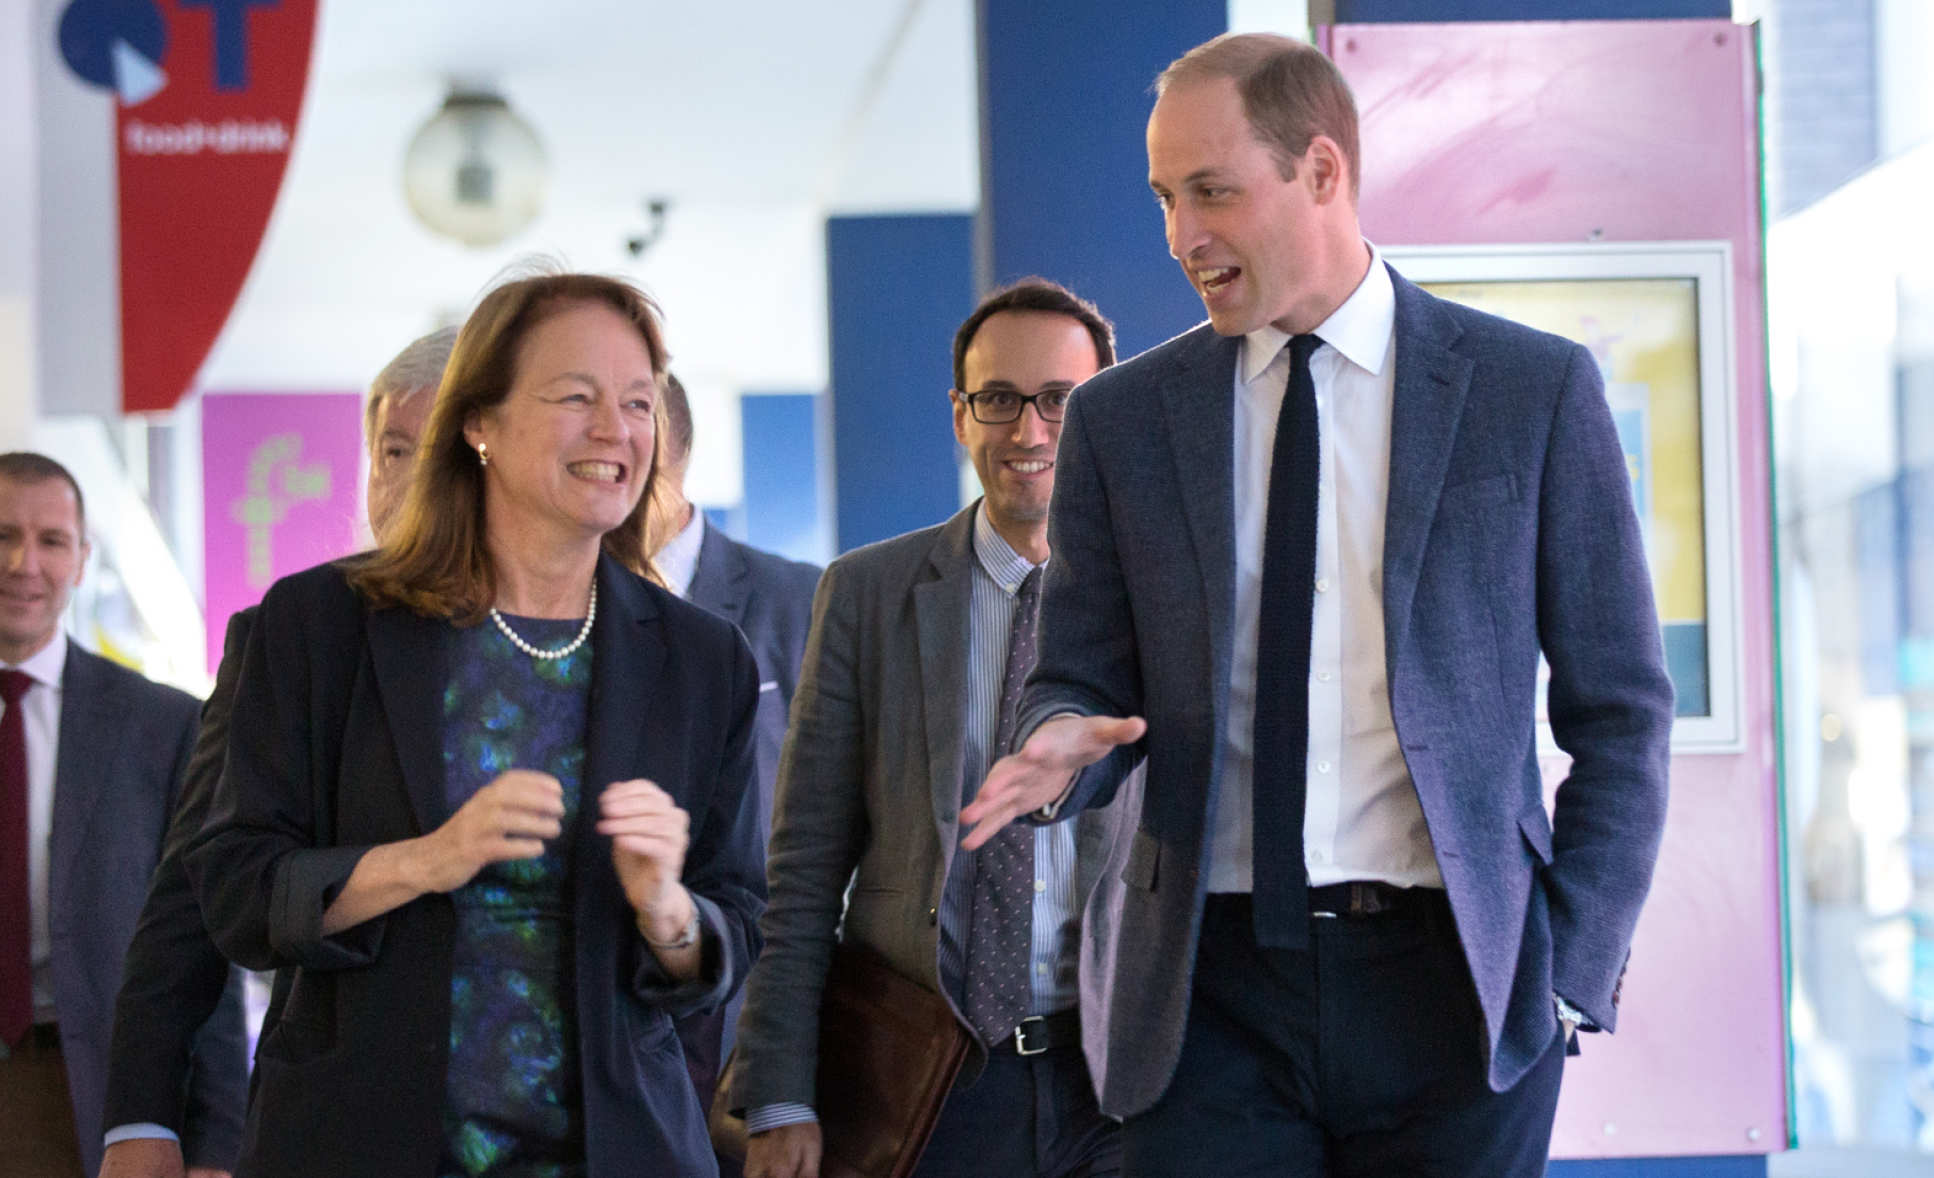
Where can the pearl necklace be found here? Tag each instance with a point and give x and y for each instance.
(565, 651)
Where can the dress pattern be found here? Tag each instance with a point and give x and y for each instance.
(513, 1102)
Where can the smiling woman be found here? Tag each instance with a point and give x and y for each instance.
(494, 996)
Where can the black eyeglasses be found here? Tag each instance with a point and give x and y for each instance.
(1001, 406)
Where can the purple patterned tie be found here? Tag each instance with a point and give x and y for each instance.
(1002, 921)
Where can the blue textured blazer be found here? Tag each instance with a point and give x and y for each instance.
(333, 749)
(1510, 531)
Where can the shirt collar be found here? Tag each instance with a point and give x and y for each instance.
(677, 561)
(1360, 329)
(46, 665)
(997, 557)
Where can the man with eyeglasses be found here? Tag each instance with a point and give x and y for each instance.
(913, 670)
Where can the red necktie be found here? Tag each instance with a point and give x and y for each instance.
(16, 910)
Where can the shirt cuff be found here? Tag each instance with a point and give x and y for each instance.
(774, 1116)
(138, 1131)
(1573, 1015)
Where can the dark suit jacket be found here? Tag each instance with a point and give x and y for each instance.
(770, 600)
(869, 793)
(175, 979)
(1509, 532)
(124, 745)
(334, 749)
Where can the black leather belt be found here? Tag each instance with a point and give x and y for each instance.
(1359, 898)
(1045, 1032)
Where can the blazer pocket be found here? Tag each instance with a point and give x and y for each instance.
(1144, 855)
(1535, 825)
(1497, 488)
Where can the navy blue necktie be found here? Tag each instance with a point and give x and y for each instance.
(1279, 881)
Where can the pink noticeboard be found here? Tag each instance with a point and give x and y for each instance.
(1627, 131)
(281, 492)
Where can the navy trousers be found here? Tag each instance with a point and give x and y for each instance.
(1024, 1115)
(1360, 1057)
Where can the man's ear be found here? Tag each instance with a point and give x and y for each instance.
(1325, 170)
(960, 414)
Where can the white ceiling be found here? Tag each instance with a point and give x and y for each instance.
(755, 120)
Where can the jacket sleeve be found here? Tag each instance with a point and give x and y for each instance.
(263, 865)
(1610, 698)
(818, 832)
(1088, 662)
(722, 867)
(175, 979)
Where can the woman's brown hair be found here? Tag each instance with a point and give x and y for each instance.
(434, 562)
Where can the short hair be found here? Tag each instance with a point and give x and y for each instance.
(418, 367)
(1291, 93)
(433, 562)
(27, 467)
(1034, 294)
(678, 420)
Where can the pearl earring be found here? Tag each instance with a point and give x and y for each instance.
(483, 454)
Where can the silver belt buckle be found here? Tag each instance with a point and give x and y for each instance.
(1020, 1038)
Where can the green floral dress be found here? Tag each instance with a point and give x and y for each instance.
(513, 1104)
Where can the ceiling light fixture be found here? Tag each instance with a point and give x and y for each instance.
(476, 171)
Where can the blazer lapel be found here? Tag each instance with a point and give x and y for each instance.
(82, 759)
(411, 657)
(941, 605)
(720, 578)
(1431, 384)
(629, 653)
(1198, 403)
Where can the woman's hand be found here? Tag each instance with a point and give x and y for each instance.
(507, 819)
(648, 835)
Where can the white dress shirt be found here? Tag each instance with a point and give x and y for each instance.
(677, 561)
(40, 715)
(1362, 820)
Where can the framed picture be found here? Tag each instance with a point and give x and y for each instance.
(1657, 317)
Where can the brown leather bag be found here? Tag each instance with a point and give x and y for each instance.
(889, 1050)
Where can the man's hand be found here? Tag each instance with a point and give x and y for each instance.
(1025, 781)
(142, 1157)
(790, 1151)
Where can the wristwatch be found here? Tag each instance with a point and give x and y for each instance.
(684, 940)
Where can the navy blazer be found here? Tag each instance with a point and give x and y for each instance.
(175, 978)
(124, 743)
(1509, 532)
(334, 749)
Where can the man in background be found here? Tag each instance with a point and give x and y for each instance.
(175, 975)
(91, 762)
(770, 599)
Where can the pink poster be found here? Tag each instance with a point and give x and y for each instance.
(281, 477)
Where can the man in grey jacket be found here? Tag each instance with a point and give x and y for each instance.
(911, 680)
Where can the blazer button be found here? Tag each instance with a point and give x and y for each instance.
(933, 917)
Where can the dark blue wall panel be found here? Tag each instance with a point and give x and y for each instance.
(897, 287)
(1064, 100)
(781, 448)
(1713, 1167)
(1442, 11)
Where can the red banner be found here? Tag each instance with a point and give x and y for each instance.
(203, 138)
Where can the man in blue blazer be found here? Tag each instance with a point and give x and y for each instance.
(770, 600)
(91, 759)
(1307, 558)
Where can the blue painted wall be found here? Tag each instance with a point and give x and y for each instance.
(781, 448)
(1441, 11)
(897, 287)
(1064, 98)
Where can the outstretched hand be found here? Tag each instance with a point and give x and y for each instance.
(1039, 772)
